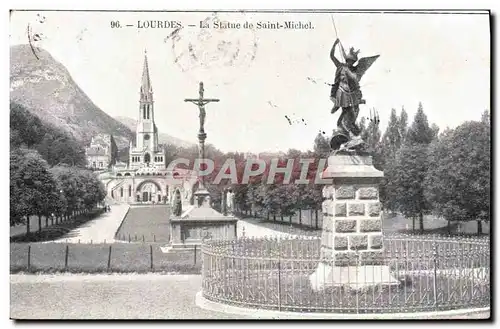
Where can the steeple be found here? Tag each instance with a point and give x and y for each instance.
(146, 88)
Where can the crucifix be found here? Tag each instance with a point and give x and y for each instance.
(201, 102)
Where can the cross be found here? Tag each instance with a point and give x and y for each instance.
(201, 102)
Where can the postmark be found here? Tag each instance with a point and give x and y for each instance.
(215, 50)
(34, 36)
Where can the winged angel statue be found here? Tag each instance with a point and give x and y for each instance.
(346, 94)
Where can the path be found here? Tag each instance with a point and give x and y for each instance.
(98, 230)
(253, 230)
(150, 296)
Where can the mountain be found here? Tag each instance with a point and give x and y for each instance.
(162, 137)
(44, 87)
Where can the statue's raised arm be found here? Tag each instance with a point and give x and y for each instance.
(332, 54)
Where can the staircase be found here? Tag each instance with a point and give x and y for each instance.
(116, 191)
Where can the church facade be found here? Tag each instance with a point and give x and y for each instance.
(146, 179)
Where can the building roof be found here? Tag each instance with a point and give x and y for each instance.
(146, 87)
(203, 213)
(95, 151)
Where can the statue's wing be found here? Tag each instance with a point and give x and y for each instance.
(364, 64)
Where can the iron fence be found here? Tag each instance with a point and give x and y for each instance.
(429, 273)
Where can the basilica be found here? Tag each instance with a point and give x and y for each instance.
(145, 178)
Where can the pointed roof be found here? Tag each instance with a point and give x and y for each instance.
(146, 88)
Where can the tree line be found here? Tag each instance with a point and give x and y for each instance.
(426, 172)
(445, 174)
(47, 174)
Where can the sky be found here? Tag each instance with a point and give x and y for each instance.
(441, 60)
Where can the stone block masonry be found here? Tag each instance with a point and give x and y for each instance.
(352, 223)
(352, 240)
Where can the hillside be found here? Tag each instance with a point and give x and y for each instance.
(55, 145)
(45, 87)
(162, 137)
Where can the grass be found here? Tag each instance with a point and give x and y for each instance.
(148, 224)
(20, 229)
(55, 231)
(392, 223)
(93, 258)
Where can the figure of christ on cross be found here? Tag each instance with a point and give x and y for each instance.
(201, 102)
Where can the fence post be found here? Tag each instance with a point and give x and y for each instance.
(279, 282)
(109, 257)
(129, 237)
(154, 237)
(434, 283)
(151, 253)
(143, 238)
(66, 257)
(29, 257)
(194, 254)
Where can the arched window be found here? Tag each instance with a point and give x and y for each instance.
(121, 192)
(144, 111)
(129, 190)
(127, 174)
(148, 111)
(117, 175)
(147, 158)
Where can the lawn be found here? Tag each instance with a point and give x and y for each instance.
(92, 258)
(391, 223)
(51, 232)
(146, 224)
(20, 229)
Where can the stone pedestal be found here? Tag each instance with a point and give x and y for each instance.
(351, 241)
(198, 223)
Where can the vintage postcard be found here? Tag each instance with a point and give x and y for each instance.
(250, 164)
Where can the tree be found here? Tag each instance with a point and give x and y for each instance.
(372, 135)
(32, 186)
(403, 189)
(406, 183)
(458, 182)
(52, 143)
(420, 132)
(391, 140)
(72, 187)
(93, 189)
(20, 207)
(321, 146)
(403, 126)
(390, 144)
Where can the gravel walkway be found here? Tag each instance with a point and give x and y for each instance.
(132, 296)
(98, 230)
(252, 230)
(148, 296)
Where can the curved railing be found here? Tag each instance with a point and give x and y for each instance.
(434, 274)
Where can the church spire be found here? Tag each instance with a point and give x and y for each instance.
(146, 88)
